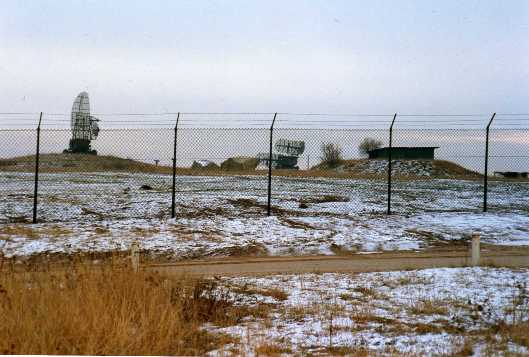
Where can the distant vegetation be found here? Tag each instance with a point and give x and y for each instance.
(331, 155)
(369, 144)
(241, 163)
(204, 165)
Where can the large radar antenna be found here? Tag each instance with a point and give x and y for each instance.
(84, 126)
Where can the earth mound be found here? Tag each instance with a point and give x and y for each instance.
(405, 168)
(78, 162)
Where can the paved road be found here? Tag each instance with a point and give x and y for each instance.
(508, 257)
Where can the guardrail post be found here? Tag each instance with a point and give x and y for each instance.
(475, 249)
(135, 257)
(389, 162)
(173, 196)
(486, 173)
(36, 188)
(269, 204)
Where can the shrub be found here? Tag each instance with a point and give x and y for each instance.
(331, 154)
(369, 144)
(239, 164)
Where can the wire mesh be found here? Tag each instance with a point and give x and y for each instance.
(509, 163)
(453, 181)
(222, 165)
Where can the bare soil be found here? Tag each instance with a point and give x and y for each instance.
(513, 257)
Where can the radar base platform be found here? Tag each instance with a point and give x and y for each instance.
(80, 146)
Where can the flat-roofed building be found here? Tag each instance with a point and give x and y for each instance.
(404, 153)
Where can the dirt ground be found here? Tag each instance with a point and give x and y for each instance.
(490, 256)
(437, 257)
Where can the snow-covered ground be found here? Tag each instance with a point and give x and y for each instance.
(219, 216)
(423, 312)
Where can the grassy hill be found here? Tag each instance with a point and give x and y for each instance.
(402, 168)
(98, 163)
(79, 162)
(361, 168)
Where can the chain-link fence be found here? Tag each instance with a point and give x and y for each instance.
(254, 164)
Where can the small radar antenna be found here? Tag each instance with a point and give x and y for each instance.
(286, 155)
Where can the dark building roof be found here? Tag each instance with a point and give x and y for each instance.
(511, 174)
(404, 153)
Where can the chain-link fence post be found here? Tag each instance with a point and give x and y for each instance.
(486, 173)
(269, 205)
(173, 196)
(37, 157)
(389, 161)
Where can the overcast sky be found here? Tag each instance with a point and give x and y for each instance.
(305, 56)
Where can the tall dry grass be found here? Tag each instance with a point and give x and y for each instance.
(111, 311)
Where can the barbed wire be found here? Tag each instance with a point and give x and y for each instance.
(279, 113)
(284, 120)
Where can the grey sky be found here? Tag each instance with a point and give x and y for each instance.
(308, 56)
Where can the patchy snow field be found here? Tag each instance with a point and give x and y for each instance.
(423, 312)
(219, 216)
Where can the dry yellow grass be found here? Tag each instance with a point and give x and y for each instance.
(275, 293)
(23, 230)
(145, 232)
(429, 307)
(112, 311)
(271, 349)
(503, 332)
(341, 250)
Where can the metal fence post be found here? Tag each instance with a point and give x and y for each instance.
(173, 197)
(389, 161)
(37, 157)
(269, 205)
(486, 173)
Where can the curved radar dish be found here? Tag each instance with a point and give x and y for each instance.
(286, 155)
(84, 126)
(290, 147)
